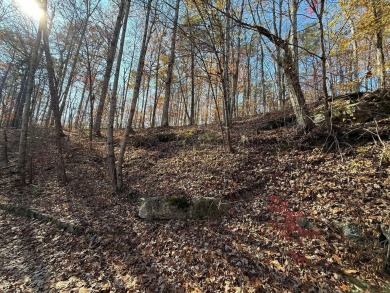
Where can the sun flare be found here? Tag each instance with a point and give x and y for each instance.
(30, 8)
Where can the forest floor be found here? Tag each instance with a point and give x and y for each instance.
(274, 179)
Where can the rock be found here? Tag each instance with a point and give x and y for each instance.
(385, 231)
(180, 208)
(356, 107)
(156, 208)
(304, 223)
(318, 118)
(207, 208)
(350, 231)
(277, 122)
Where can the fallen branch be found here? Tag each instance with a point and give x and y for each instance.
(27, 212)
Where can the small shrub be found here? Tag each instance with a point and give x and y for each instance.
(289, 223)
(292, 226)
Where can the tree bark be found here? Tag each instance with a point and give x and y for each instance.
(168, 82)
(380, 56)
(323, 68)
(140, 70)
(156, 92)
(145, 103)
(26, 109)
(74, 65)
(137, 86)
(226, 81)
(298, 102)
(113, 99)
(192, 109)
(318, 9)
(54, 99)
(21, 100)
(355, 61)
(107, 74)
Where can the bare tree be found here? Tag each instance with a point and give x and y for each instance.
(137, 86)
(27, 105)
(113, 100)
(287, 63)
(168, 82)
(54, 98)
(110, 62)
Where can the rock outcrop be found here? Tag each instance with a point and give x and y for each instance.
(180, 208)
(357, 107)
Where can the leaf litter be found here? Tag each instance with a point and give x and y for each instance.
(259, 246)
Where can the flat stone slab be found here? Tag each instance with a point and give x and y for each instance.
(180, 208)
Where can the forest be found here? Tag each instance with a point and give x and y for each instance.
(194, 146)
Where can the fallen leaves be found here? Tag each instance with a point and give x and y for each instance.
(350, 271)
(277, 265)
(243, 251)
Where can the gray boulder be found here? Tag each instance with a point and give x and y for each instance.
(350, 231)
(179, 208)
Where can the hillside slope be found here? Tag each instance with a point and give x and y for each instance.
(292, 198)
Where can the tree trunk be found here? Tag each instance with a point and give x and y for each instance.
(323, 68)
(126, 88)
(143, 117)
(380, 56)
(156, 92)
(74, 64)
(262, 86)
(355, 59)
(110, 62)
(20, 100)
(110, 127)
(318, 9)
(80, 107)
(298, 102)
(27, 104)
(279, 69)
(4, 79)
(137, 86)
(54, 99)
(168, 82)
(294, 6)
(234, 103)
(192, 110)
(140, 70)
(226, 81)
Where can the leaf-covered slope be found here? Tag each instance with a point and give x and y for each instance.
(277, 182)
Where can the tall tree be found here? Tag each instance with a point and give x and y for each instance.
(89, 12)
(286, 62)
(113, 100)
(27, 105)
(54, 98)
(319, 9)
(380, 55)
(110, 61)
(168, 82)
(137, 86)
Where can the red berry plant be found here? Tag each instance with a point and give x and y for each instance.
(291, 225)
